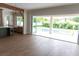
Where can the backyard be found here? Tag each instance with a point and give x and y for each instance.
(57, 23)
(67, 26)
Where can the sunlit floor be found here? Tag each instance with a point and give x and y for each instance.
(66, 35)
(32, 45)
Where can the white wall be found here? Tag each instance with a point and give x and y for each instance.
(25, 22)
(68, 9)
(29, 22)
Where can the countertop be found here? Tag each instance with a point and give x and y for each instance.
(6, 27)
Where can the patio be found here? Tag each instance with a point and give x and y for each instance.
(61, 34)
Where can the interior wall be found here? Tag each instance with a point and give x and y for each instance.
(25, 22)
(29, 22)
(62, 10)
(68, 9)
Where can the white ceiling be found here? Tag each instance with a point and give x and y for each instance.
(38, 5)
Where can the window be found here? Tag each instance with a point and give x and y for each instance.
(19, 21)
(66, 22)
(6, 20)
(58, 27)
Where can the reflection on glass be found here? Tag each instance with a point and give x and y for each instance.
(59, 27)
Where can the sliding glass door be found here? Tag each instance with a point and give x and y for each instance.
(65, 28)
(41, 24)
(57, 27)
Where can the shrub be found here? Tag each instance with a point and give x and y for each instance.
(65, 25)
(69, 26)
(45, 25)
(55, 25)
(76, 27)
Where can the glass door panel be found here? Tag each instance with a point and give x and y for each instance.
(57, 27)
(41, 24)
(65, 28)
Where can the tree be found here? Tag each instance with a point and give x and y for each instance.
(40, 19)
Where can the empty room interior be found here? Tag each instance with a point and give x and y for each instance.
(39, 29)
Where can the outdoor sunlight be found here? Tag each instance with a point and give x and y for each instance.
(59, 27)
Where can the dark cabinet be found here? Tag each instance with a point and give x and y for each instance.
(4, 32)
(18, 29)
